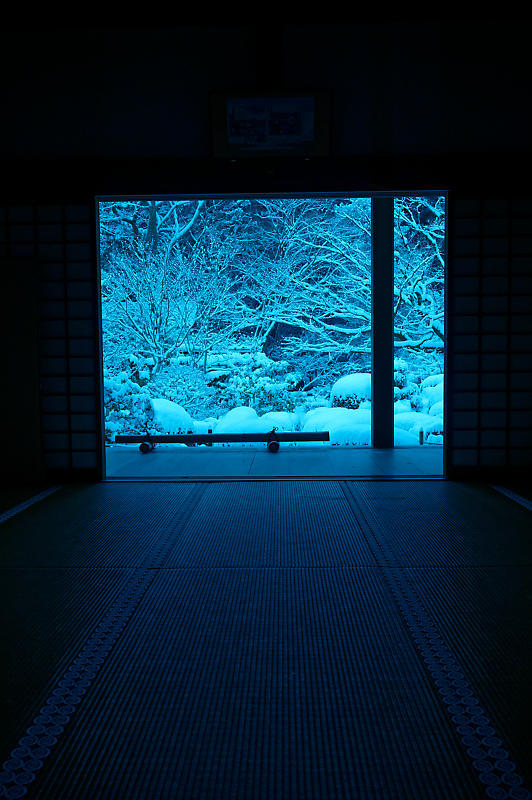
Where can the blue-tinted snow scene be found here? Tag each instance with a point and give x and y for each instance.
(419, 285)
(244, 315)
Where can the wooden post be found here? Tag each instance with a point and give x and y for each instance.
(382, 262)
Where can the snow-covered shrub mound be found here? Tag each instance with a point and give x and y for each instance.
(403, 387)
(433, 394)
(351, 390)
(400, 372)
(414, 422)
(185, 385)
(240, 412)
(205, 425)
(171, 417)
(312, 402)
(320, 418)
(401, 405)
(282, 420)
(419, 402)
(432, 380)
(229, 359)
(437, 427)
(243, 420)
(347, 434)
(267, 385)
(140, 368)
(402, 438)
(346, 426)
(312, 413)
(127, 407)
(409, 391)
(436, 410)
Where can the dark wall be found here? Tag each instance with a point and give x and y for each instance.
(402, 87)
(19, 325)
(416, 105)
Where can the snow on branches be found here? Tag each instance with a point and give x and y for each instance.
(187, 282)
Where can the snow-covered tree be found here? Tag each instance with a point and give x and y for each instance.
(187, 284)
(419, 281)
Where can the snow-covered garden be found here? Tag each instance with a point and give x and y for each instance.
(245, 315)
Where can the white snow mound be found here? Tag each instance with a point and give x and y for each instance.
(356, 385)
(171, 417)
(433, 393)
(436, 410)
(346, 426)
(282, 420)
(401, 405)
(205, 425)
(432, 380)
(403, 438)
(243, 420)
(414, 421)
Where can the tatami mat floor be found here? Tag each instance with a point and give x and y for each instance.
(313, 639)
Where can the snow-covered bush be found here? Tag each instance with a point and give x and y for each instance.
(127, 407)
(140, 368)
(215, 304)
(432, 380)
(402, 405)
(187, 386)
(429, 396)
(434, 394)
(418, 402)
(351, 390)
(170, 417)
(243, 420)
(400, 373)
(414, 422)
(403, 386)
(436, 410)
(267, 386)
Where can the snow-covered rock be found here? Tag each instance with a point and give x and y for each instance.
(171, 417)
(351, 389)
(435, 438)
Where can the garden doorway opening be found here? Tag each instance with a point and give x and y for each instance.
(238, 316)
